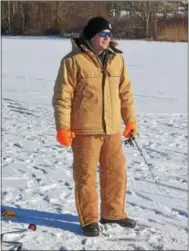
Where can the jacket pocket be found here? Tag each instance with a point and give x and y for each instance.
(114, 77)
(86, 74)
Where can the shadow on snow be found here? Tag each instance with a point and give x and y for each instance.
(66, 222)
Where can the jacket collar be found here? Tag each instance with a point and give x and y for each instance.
(84, 45)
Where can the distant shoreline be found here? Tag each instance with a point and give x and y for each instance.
(70, 37)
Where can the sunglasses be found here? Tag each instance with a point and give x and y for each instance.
(105, 34)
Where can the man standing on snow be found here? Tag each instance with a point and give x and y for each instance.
(91, 94)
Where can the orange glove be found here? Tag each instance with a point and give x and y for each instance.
(130, 129)
(64, 136)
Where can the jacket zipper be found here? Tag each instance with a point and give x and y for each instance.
(103, 67)
(103, 84)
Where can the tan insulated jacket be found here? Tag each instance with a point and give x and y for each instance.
(90, 98)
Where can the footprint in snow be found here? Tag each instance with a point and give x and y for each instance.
(63, 248)
(18, 145)
(40, 169)
(67, 184)
(84, 241)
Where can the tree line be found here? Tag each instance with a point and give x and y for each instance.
(141, 19)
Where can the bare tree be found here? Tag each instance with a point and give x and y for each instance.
(44, 17)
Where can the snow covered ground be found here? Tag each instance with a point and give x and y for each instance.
(37, 172)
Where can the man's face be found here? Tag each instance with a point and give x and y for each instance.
(101, 40)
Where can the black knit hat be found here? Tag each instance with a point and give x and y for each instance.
(95, 25)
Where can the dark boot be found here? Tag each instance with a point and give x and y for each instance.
(91, 230)
(126, 222)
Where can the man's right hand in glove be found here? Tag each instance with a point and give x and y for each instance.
(65, 136)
